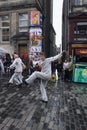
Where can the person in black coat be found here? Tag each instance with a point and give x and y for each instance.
(7, 62)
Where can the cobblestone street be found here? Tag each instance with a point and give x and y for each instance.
(21, 108)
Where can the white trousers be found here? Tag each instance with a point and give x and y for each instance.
(16, 78)
(44, 80)
(43, 90)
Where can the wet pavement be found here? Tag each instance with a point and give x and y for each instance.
(21, 108)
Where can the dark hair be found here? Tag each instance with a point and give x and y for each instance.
(42, 53)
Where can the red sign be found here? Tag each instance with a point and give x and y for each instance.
(81, 51)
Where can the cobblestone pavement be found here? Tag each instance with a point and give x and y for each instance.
(21, 108)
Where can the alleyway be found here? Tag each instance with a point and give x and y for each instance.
(21, 108)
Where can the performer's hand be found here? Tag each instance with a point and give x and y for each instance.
(71, 57)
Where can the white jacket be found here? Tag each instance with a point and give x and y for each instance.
(17, 65)
(46, 64)
(1, 65)
(65, 65)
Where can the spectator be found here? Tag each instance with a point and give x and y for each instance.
(31, 69)
(65, 68)
(70, 69)
(25, 59)
(7, 62)
(60, 68)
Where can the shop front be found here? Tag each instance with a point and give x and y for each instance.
(80, 65)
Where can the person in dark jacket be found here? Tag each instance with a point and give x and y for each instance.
(59, 67)
(7, 62)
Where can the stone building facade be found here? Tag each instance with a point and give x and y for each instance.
(15, 23)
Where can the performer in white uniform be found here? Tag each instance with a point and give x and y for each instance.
(18, 66)
(44, 75)
(1, 67)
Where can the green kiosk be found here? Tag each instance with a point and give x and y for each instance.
(80, 67)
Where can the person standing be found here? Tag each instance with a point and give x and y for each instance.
(44, 75)
(65, 68)
(18, 65)
(70, 69)
(60, 69)
(7, 63)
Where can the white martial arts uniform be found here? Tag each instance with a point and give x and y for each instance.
(1, 67)
(17, 76)
(44, 75)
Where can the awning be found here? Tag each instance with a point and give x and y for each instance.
(18, 36)
(3, 51)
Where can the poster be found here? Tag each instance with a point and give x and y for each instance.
(36, 49)
(35, 18)
(36, 36)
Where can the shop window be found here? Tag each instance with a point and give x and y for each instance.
(4, 28)
(80, 31)
(81, 28)
(23, 22)
(81, 58)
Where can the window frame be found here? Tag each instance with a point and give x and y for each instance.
(20, 27)
(2, 20)
(78, 2)
(80, 35)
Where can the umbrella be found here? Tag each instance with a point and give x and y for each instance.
(3, 51)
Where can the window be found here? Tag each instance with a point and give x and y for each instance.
(4, 28)
(78, 2)
(81, 28)
(85, 1)
(80, 31)
(23, 22)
